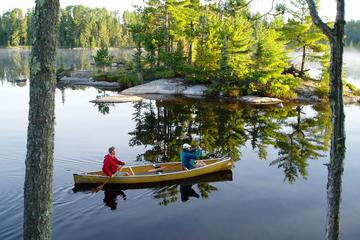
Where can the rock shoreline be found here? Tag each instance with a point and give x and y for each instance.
(83, 78)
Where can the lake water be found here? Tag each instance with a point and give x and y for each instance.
(278, 187)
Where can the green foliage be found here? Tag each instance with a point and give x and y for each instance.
(194, 75)
(13, 28)
(158, 73)
(240, 45)
(129, 80)
(102, 57)
(82, 26)
(79, 26)
(302, 35)
(351, 90)
(125, 78)
(270, 59)
(216, 43)
(168, 73)
(177, 59)
(323, 88)
(208, 47)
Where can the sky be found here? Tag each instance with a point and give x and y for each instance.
(327, 9)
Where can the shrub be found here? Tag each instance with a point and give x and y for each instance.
(157, 73)
(323, 88)
(129, 80)
(199, 76)
(100, 76)
(102, 57)
(166, 73)
(281, 86)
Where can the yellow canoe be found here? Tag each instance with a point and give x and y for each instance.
(147, 173)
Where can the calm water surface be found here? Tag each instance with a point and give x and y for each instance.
(278, 187)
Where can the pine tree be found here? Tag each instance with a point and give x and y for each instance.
(270, 60)
(303, 35)
(208, 47)
(240, 41)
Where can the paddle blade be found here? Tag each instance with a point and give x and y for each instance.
(101, 186)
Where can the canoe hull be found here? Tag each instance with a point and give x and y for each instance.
(141, 173)
(208, 178)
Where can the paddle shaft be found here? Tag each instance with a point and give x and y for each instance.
(162, 168)
(102, 185)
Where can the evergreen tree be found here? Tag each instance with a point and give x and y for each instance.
(303, 35)
(240, 41)
(209, 44)
(270, 60)
(102, 57)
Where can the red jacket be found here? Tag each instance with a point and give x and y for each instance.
(109, 166)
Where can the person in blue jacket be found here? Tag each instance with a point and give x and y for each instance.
(188, 158)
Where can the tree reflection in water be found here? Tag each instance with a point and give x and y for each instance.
(223, 128)
(14, 63)
(170, 194)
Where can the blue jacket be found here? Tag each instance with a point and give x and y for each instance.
(188, 159)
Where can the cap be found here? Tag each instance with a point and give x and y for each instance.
(185, 146)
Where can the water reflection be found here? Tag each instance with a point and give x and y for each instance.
(15, 62)
(224, 128)
(110, 198)
(164, 193)
(186, 192)
(104, 108)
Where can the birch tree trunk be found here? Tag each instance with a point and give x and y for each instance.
(337, 151)
(40, 138)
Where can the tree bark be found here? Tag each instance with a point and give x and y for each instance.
(190, 53)
(191, 44)
(40, 138)
(303, 61)
(337, 151)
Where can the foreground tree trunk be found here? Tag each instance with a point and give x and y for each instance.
(337, 152)
(40, 138)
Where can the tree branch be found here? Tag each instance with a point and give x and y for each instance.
(317, 20)
(267, 13)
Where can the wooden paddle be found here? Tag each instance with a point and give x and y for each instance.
(102, 185)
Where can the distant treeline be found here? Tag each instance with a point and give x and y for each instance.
(79, 26)
(352, 33)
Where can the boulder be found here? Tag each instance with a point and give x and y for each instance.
(259, 100)
(167, 86)
(117, 99)
(88, 82)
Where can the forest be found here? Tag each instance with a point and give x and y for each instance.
(219, 43)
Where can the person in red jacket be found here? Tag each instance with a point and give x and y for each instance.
(111, 162)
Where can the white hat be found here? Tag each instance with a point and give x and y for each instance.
(185, 146)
